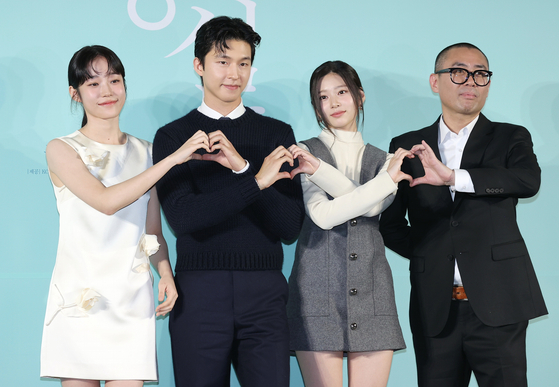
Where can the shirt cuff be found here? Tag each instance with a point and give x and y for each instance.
(244, 169)
(463, 181)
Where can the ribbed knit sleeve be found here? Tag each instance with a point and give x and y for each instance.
(281, 205)
(185, 207)
(222, 220)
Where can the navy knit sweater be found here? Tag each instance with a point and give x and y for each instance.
(222, 220)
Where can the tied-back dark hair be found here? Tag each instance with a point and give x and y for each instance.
(351, 80)
(80, 69)
(216, 32)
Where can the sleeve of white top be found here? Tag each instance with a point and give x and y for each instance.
(384, 204)
(463, 181)
(368, 199)
(332, 180)
(329, 179)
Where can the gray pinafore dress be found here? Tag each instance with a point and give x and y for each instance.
(341, 295)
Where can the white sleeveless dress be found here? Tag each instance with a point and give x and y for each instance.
(100, 318)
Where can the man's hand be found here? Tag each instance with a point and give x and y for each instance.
(269, 172)
(436, 173)
(227, 155)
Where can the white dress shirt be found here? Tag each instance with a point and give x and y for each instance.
(451, 148)
(209, 112)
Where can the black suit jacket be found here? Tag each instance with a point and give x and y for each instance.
(479, 230)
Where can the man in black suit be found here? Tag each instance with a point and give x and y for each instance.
(473, 286)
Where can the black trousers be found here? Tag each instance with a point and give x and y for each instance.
(496, 355)
(230, 317)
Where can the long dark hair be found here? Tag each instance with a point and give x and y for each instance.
(80, 69)
(350, 78)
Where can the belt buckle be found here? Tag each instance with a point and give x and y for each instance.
(458, 293)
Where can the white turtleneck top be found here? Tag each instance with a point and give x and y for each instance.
(351, 199)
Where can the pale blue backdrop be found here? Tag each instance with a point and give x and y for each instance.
(392, 44)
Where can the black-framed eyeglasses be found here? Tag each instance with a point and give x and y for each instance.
(460, 76)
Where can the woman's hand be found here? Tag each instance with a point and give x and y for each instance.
(396, 164)
(199, 140)
(166, 288)
(307, 162)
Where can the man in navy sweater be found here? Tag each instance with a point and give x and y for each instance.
(230, 209)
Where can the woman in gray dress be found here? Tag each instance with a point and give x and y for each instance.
(341, 297)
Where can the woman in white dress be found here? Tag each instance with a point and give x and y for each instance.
(100, 318)
(341, 297)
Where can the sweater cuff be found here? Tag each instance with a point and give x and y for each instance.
(247, 184)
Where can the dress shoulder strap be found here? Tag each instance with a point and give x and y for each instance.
(373, 160)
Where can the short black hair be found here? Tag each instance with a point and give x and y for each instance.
(442, 55)
(80, 69)
(351, 80)
(215, 33)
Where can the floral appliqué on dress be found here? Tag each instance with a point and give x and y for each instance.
(147, 246)
(80, 307)
(92, 160)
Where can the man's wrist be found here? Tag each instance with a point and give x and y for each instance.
(258, 183)
(450, 180)
(244, 169)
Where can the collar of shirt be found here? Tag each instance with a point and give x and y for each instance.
(446, 134)
(209, 112)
